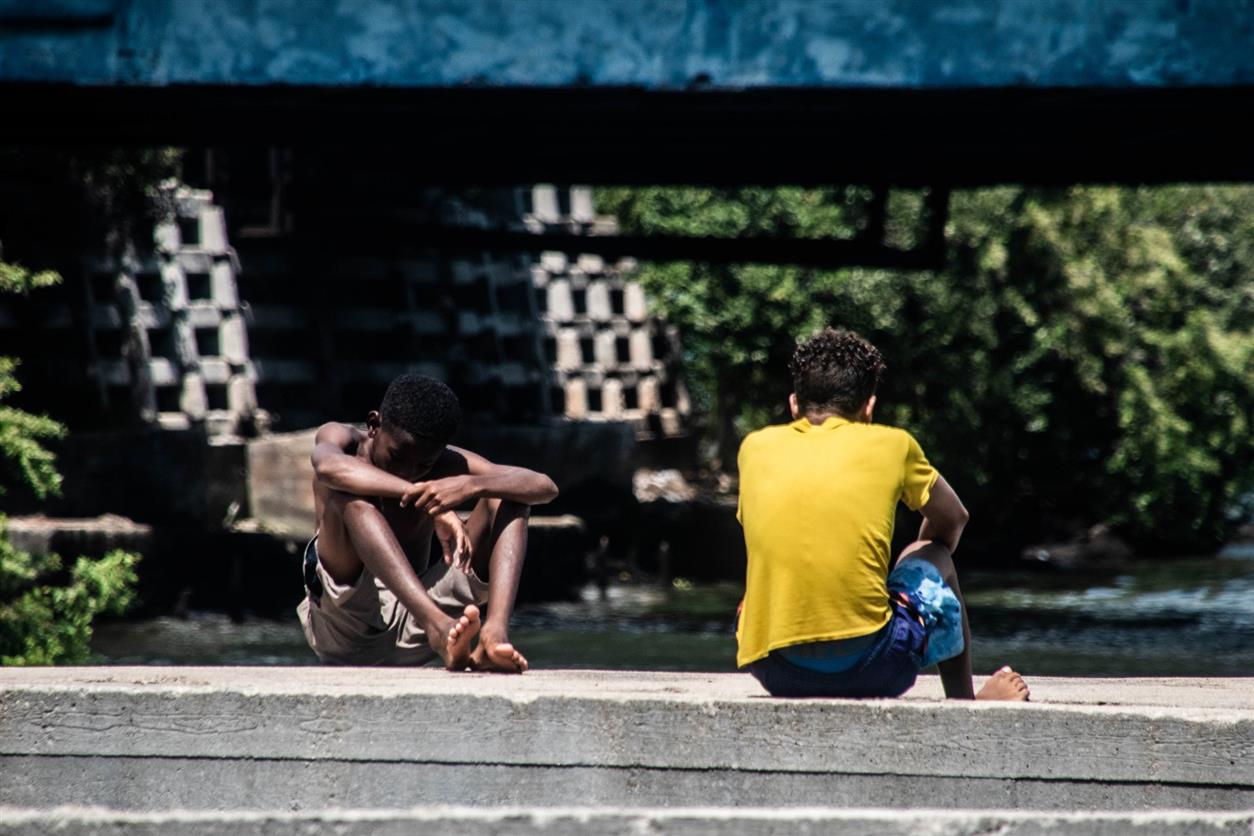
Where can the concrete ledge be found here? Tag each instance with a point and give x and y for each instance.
(274, 738)
(582, 820)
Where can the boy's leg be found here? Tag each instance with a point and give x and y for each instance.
(955, 672)
(498, 537)
(354, 533)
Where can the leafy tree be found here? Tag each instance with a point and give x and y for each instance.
(46, 611)
(1086, 356)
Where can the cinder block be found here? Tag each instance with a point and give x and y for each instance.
(561, 304)
(599, 301)
(641, 348)
(544, 203)
(670, 422)
(635, 307)
(163, 372)
(650, 395)
(212, 230)
(234, 339)
(604, 350)
(591, 263)
(576, 398)
(193, 402)
(581, 208)
(222, 277)
(612, 398)
(554, 262)
(569, 355)
(215, 370)
(165, 237)
(241, 395)
(174, 285)
(201, 315)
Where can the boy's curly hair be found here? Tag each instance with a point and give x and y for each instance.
(835, 371)
(422, 406)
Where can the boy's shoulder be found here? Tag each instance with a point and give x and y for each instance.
(883, 434)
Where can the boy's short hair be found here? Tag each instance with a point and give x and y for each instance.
(421, 406)
(835, 371)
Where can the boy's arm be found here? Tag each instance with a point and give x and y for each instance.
(481, 479)
(336, 468)
(944, 516)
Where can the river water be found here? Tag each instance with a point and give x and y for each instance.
(1184, 617)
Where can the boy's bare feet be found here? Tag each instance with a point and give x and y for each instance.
(1004, 685)
(454, 647)
(497, 655)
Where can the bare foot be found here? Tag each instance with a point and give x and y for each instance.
(1004, 685)
(454, 648)
(497, 655)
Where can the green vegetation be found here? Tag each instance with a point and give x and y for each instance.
(46, 611)
(1086, 356)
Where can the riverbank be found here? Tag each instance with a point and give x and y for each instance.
(1186, 617)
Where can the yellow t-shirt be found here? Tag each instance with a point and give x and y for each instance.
(817, 505)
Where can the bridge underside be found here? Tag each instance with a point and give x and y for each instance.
(630, 135)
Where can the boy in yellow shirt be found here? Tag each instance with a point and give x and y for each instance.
(822, 615)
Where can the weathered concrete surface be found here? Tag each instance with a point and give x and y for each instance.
(576, 820)
(320, 737)
(655, 45)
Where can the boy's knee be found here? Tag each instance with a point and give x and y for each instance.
(351, 508)
(934, 553)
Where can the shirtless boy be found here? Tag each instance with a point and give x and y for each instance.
(822, 614)
(374, 596)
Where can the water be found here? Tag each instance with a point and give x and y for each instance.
(1187, 617)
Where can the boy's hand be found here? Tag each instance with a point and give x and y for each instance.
(440, 495)
(451, 532)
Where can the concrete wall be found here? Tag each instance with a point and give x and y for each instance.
(653, 43)
(320, 741)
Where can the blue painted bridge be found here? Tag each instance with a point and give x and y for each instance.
(886, 91)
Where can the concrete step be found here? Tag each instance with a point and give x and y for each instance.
(312, 739)
(578, 821)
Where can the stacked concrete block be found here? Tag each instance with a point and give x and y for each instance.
(611, 358)
(166, 325)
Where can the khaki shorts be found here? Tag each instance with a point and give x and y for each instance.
(364, 624)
